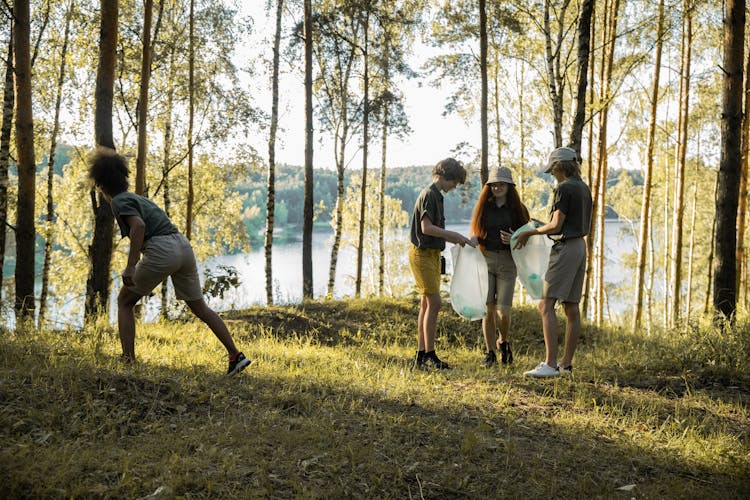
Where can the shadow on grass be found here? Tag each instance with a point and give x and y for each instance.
(76, 426)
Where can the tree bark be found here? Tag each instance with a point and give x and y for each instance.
(50, 219)
(25, 231)
(483, 167)
(725, 284)
(365, 149)
(5, 131)
(271, 179)
(142, 148)
(648, 175)
(742, 209)
(100, 250)
(584, 45)
(678, 212)
(307, 215)
(191, 122)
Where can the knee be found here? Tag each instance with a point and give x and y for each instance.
(125, 300)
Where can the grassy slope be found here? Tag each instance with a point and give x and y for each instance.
(330, 408)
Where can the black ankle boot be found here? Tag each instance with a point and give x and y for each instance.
(506, 355)
(431, 359)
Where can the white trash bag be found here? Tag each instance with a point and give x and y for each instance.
(469, 283)
(531, 260)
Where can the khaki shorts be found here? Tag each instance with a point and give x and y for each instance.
(425, 266)
(567, 266)
(502, 277)
(168, 256)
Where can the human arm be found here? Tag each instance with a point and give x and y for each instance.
(431, 229)
(136, 235)
(554, 226)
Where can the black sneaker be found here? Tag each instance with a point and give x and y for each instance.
(431, 360)
(490, 360)
(239, 363)
(506, 355)
(565, 370)
(419, 362)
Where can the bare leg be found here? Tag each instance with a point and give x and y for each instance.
(126, 301)
(214, 322)
(420, 323)
(572, 332)
(549, 325)
(430, 320)
(489, 326)
(503, 323)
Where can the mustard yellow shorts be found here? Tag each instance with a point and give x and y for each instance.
(425, 266)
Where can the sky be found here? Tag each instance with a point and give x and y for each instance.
(433, 136)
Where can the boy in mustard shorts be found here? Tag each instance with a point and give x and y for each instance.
(428, 237)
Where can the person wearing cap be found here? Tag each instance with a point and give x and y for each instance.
(497, 214)
(428, 236)
(563, 282)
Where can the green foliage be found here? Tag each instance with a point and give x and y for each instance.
(330, 408)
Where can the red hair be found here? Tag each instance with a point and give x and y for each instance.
(518, 210)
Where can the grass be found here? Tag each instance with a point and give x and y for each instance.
(330, 409)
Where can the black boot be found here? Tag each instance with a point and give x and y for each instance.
(431, 360)
(506, 355)
(419, 361)
(490, 360)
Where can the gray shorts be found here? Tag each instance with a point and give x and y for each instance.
(168, 256)
(502, 277)
(567, 266)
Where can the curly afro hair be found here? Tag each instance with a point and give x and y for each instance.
(109, 170)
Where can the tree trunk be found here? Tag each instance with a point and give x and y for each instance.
(742, 209)
(725, 284)
(383, 166)
(5, 130)
(584, 44)
(25, 231)
(592, 175)
(49, 229)
(608, 62)
(271, 181)
(483, 170)
(555, 76)
(142, 148)
(167, 166)
(307, 216)
(678, 212)
(191, 123)
(100, 250)
(365, 147)
(710, 282)
(691, 251)
(648, 175)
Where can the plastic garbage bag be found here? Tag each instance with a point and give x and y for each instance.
(469, 282)
(531, 260)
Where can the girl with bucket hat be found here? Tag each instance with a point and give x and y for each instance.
(497, 214)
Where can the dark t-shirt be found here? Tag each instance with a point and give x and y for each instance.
(430, 204)
(494, 219)
(126, 204)
(573, 198)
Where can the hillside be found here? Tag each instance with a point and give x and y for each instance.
(330, 408)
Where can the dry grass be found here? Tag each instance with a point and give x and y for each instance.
(330, 408)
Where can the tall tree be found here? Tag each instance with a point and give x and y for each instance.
(584, 46)
(50, 216)
(5, 131)
(191, 122)
(307, 224)
(271, 179)
(145, 74)
(648, 174)
(365, 146)
(725, 284)
(678, 210)
(100, 250)
(483, 167)
(742, 273)
(555, 64)
(25, 230)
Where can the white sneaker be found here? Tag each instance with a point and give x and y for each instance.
(543, 370)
